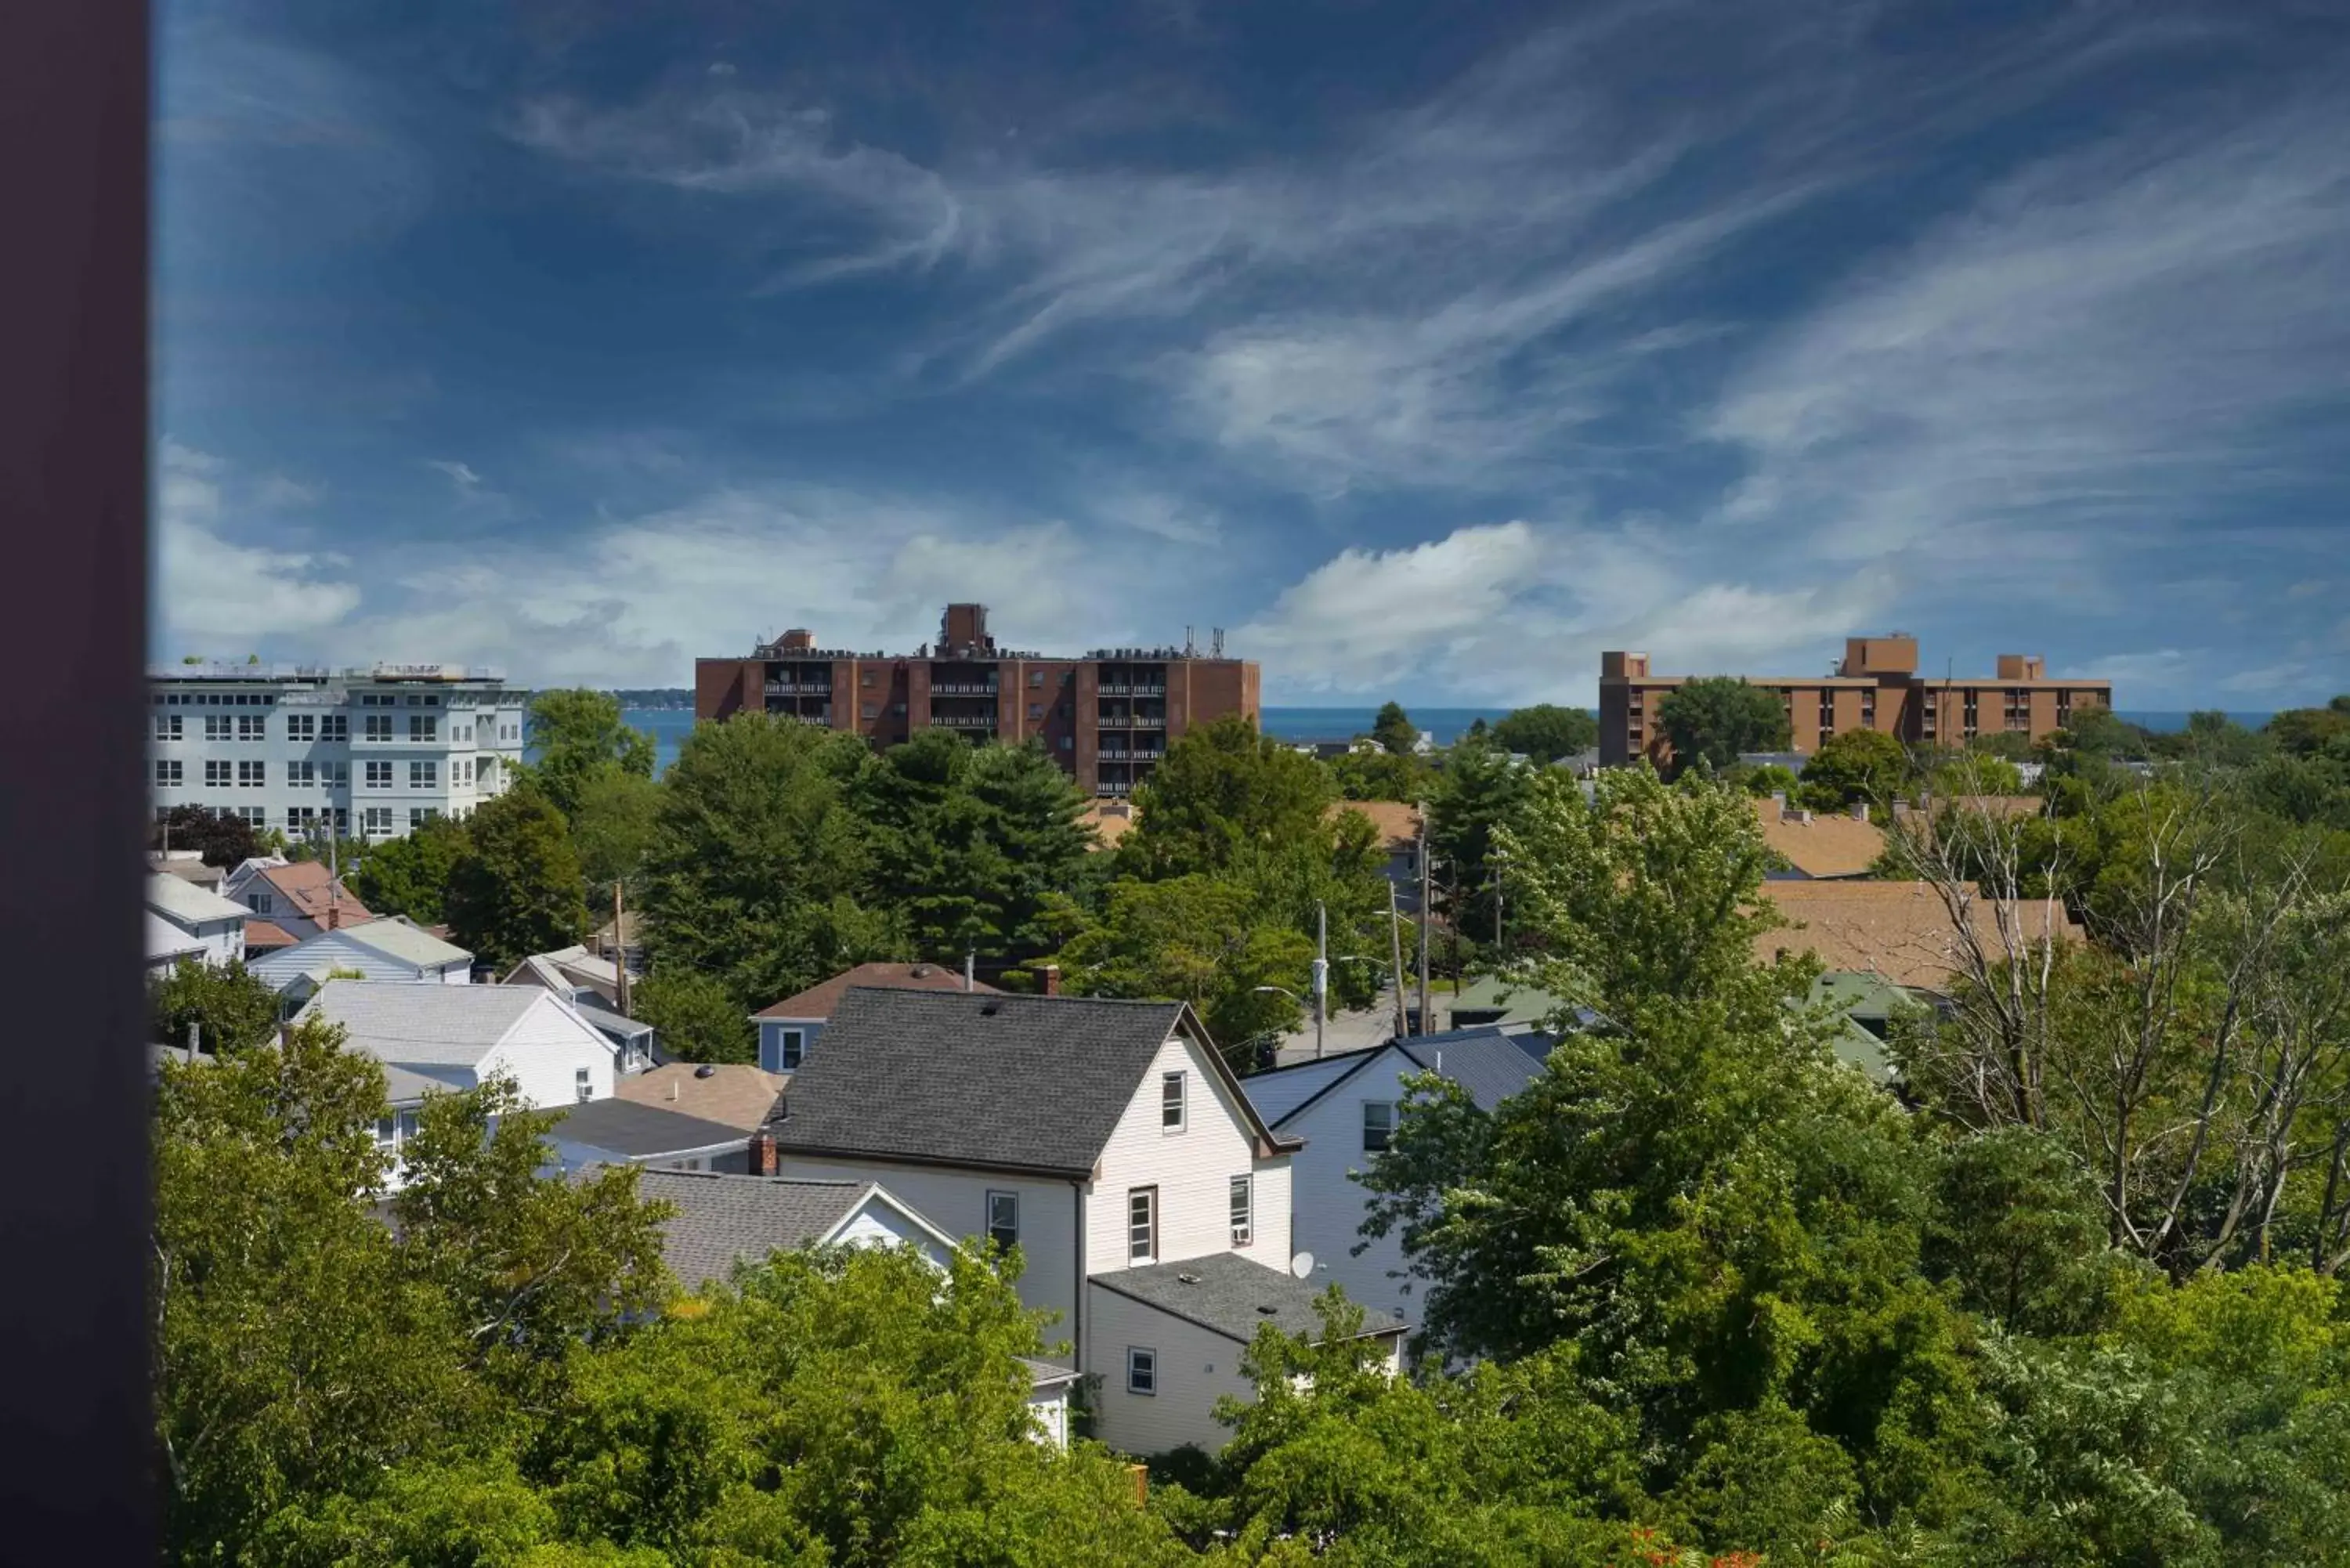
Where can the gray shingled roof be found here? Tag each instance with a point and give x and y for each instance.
(1226, 1294)
(638, 1131)
(722, 1219)
(1022, 1083)
(400, 1021)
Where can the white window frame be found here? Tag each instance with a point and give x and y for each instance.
(1142, 1360)
(583, 1084)
(218, 775)
(425, 775)
(252, 726)
(301, 726)
(1142, 1234)
(995, 1227)
(1243, 1210)
(1171, 1110)
(334, 726)
(1386, 1127)
(167, 726)
(168, 773)
(377, 775)
(791, 1049)
(378, 727)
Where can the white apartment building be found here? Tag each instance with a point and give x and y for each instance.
(371, 752)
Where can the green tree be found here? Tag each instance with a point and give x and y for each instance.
(1392, 728)
(410, 876)
(1196, 939)
(577, 734)
(759, 858)
(695, 1017)
(222, 838)
(1716, 718)
(1223, 791)
(1382, 776)
(1771, 778)
(969, 844)
(516, 889)
(1480, 793)
(1547, 731)
(614, 826)
(230, 1008)
(1854, 766)
(302, 1348)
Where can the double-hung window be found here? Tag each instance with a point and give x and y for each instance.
(217, 726)
(252, 726)
(167, 772)
(167, 726)
(378, 726)
(302, 775)
(791, 1046)
(1378, 1125)
(252, 776)
(1004, 1219)
(301, 726)
(423, 775)
(335, 727)
(217, 776)
(379, 775)
(1142, 1225)
(1243, 1210)
(1141, 1370)
(1170, 1101)
(421, 727)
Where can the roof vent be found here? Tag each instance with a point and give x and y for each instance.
(1187, 1279)
(705, 1071)
(989, 1008)
(919, 971)
(1267, 1311)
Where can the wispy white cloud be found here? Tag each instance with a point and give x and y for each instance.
(211, 585)
(461, 475)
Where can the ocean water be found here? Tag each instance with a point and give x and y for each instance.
(669, 726)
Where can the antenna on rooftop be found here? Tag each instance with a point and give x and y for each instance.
(1189, 646)
(1216, 642)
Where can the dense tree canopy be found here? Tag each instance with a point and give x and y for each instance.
(515, 890)
(410, 876)
(1547, 731)
(1857, 767)
(1392, 728)
(1714, 719)
(221, 837)
(759, 860)
(229, 1007)
(577, 735)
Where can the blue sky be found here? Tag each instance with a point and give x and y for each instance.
(1429, 351)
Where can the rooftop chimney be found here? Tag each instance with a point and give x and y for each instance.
(1051, 975)
(1860, 811)
(762, 1151)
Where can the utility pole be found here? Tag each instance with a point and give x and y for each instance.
(1497, 857)
(1321, 972)
(1424, 907)
(620, 954)
(1395, 946)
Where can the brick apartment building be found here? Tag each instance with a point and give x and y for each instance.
(1876, 687)
(1106, 718)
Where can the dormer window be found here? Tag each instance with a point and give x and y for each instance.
(1170, 1101)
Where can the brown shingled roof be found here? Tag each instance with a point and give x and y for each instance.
(1832, 844)
(819, 1001)
(1398, 821)
(265, 936)
(1901, 931)
(736, 1095)
(303, 884)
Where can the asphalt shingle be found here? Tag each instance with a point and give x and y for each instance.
(450, 1025)
(1024, 1082)
(1226, 1294)
(636, 1131)
(721, 1220)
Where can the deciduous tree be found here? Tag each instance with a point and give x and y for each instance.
(516, 889)
(1716, 718)
(1547, 731)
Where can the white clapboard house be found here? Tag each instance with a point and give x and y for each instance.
(1345, 1108)
(382, 949)
(450, 1038)
(721, 1221)
(1111, 1144)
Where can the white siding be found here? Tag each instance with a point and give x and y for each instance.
(1195, 1368)
(332, 950)
(545, 1051)
(1191, 1168)
(878, 1223)
(1329, 1204)
(1050, 1408)
(956, 1202)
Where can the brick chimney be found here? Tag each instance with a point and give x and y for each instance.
(763, 1153)
(1052, 976)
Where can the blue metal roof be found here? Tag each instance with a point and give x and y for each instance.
(1489, 1064)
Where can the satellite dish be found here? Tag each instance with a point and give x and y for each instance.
(1301, 1265)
